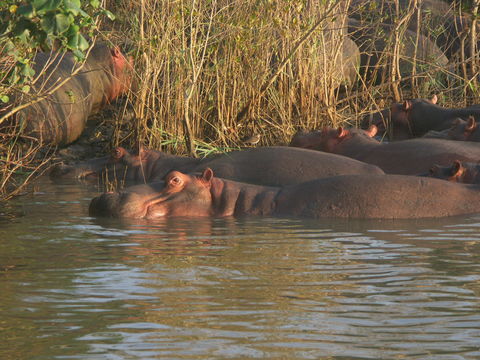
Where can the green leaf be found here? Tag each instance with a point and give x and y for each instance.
(4, 99)
(27, 71)
(82, 43)
(72, 42)
(22, 29)
(79, 56)
(26, 11)
(95, 3)
(38, 4)
(43, 6)
(109, 15)
(62, 23)
(72, 6)
(40, 37)
(26, 89)
(48, 23)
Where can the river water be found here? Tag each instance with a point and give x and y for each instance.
(75, 287)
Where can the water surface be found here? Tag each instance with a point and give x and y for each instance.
(75, 287)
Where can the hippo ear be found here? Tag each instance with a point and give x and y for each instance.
(457, 169)
(142, 152)
(407, 105)
(207, 174)
(434, 99)
(471, 124)
(116, 53)
(118, 153)
(372, 130)
(341, 132)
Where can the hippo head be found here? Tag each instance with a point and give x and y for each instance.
(329, 138)
(120, 164)
(454, 173)
(306, 139)
(401, 115)
(178, 195)
(381, 119)
(462, 172)
(117, 67)
(122, 73)
(462, 130)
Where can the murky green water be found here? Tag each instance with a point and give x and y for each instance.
(73, 287)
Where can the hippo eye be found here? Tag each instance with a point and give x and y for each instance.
(175, 181)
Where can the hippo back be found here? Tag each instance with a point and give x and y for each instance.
(282, 165)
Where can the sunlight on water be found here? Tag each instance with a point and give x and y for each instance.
(74, 287)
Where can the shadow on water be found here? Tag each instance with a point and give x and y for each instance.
(75, 287)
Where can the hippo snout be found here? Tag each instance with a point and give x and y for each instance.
(105, 205)
(60, 170)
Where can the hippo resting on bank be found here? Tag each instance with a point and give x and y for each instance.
(272, 166)
(347, 196)
(461, 130)
(416, 117)
(62, 116)
(462, 172)
(408, 157)
(375, 42)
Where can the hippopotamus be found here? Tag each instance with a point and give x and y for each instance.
(464, 130)
(60, 118)
(458, 171)
(345, 196)
(274, 166)
(374, 40)
(437, 20)
(397, 127)
(417, 117)
(407, 157)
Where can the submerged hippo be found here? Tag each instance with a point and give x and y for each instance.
(407, 157)
(61, 117)
(348, 196)
(458, 171)
(273, 166)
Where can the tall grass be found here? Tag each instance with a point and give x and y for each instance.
(218, 71)
(221, 70)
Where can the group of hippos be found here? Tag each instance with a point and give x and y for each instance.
(431, 171)
(330, 173)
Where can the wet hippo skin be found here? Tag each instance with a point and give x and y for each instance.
(347, 196)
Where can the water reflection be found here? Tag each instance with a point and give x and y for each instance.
(75, 287)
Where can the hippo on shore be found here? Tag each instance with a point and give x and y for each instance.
(375, 43)
(347, 196)
(464, 130)
(61, 116)
(417, 117)
(407, 157)
(272, 166)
